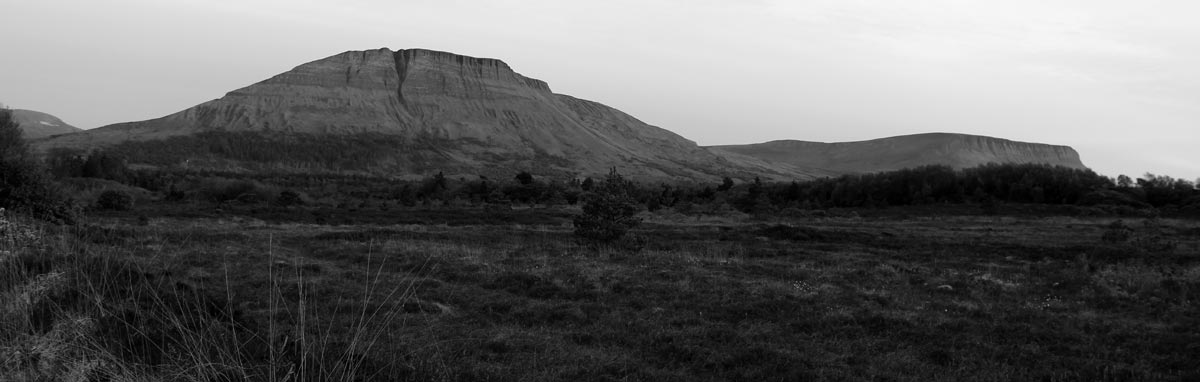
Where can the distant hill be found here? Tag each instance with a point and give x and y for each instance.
(408, 112)
(36, 124)
(415, 112)
(894, 153)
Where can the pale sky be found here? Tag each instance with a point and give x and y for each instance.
(1117, 80)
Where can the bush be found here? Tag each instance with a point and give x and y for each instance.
(1191, 206)
(114, 200)
(608, 211)
(15, 234)
(221, 190)
(288, 198)
(248, 198)
(1111, 198)
(989, 206)
(24, 185)
(1117, 232)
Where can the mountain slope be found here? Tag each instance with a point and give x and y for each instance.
(439, 112)
(885, 154)
(36, 124)
(415, 112)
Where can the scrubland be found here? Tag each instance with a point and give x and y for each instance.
(511, 295)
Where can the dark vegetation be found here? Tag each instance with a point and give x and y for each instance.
(989, 187)
(608, 210)
(24, 185)
(831, 298)
(114, 200)
(1001, 272)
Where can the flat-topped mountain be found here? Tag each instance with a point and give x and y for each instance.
(36, 124)
(415, 112)
(894, 153)
(406, 112)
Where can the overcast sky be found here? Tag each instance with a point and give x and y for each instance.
(1116, 80)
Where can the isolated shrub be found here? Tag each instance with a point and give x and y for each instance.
(223, 190)
(726, 184)
(524, 178)
(989, 206)
(608, 211)
(786, 232)
(16, 234)
(1084, 211)
(1127, 211)
(653, 205)
(1191, 206)
(249, 198)
(288, 198)
(1111, 198)
(114, 200)
(685, 207)
(24, 184)
(1153, 243)
(174, 194)
(1117, 232)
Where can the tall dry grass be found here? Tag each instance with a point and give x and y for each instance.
(74, 311)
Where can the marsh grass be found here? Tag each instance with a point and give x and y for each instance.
(105, 303)
(725, 298)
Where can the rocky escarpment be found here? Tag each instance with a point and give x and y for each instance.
(955, 150)
(447, 111)
(36, 124)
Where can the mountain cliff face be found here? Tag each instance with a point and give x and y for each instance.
(955, 150)
(442, 111)
(36, 124)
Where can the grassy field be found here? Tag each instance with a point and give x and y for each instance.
(222, 297)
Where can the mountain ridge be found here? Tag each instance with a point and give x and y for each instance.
(905, 151)
(421, 111)
(489, 115)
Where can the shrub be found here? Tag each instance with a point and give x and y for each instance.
(24, 185)
(1117, 232)
(786, 232)
(989, 206)
(288, 198)
(1192, 205)
(220, 190)
(15, 234)
(1111, 198)
(248, 198)
(608, 211)
(114, 200)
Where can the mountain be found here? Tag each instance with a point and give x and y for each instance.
(415, 112)
(407, 112)
(36, 124)
(894, 153)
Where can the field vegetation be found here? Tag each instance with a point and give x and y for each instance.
(1015, 272)
(716, 298)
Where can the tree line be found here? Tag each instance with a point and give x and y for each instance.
(25, 179)
(986, 184)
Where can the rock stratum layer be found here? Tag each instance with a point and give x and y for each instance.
(894, 153)
(441, 111)
(36, 124)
